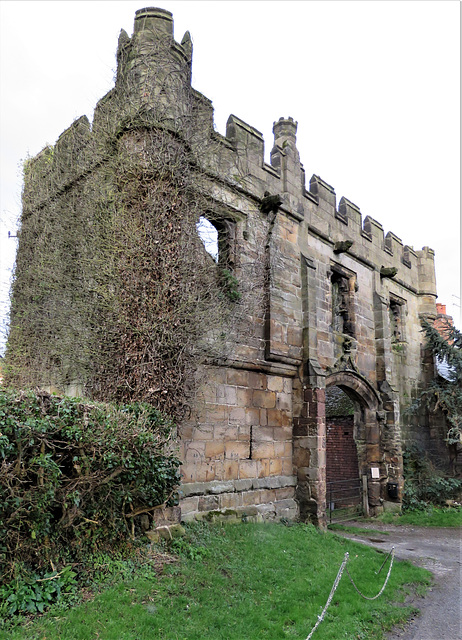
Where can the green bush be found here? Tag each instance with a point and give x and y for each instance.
(424, 485)
(73, 476)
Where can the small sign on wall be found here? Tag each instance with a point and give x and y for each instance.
(375, 473)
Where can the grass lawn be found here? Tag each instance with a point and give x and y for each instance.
(431, 517)
(242, 582)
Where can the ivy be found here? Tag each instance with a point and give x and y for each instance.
(113, 288)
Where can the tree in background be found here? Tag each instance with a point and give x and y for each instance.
(426, 483)
(443, 394)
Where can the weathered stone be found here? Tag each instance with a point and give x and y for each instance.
(166, 515)
(189, 505)
(243, 485)
(391, 507)
(264, 399)
(247, 469)
(208, 503)
(230, 500)
(267, 511)
(166, 532)
(220, 487)
(214, 449)
(153, 536)
(194, 488)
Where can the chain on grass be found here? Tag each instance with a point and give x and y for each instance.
(392, 554)
(343, 567)
(331, 595)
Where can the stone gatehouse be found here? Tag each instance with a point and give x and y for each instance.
(339, 307)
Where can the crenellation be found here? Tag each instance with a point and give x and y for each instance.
(373, 231)
(183, 52)
(246, 139)
(106, 123)
(427, 280)
(202, 114)
(393, 245)
(350, 212)
(72, 155)
(123, 42)
(37, 180)
(271, 170)
(323, 191)
(186, 43)
(409, 257)
(285, 129)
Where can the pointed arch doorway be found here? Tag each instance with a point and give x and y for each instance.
(352, 445)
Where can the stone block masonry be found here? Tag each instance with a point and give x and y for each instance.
(325, 297)
(237, 450)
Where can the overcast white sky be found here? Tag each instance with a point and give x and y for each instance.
(374, 86)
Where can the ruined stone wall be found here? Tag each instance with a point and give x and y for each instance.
(327, 297)
(237, 448)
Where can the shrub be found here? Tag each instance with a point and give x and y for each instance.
(425, 485)
(74, 475)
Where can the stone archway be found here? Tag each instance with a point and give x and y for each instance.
(367, 415)
(376, 437)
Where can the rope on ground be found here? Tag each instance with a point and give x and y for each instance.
(343, 567)
(392, 553)
(331, 595)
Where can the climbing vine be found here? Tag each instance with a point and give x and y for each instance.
(114, 296)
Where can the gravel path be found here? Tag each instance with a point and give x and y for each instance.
(439, 551)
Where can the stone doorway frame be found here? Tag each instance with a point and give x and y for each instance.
(309, 440)
(367, 417)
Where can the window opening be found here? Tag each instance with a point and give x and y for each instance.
(209, 236)
(219, 240)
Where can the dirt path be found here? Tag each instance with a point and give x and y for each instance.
(439, 551)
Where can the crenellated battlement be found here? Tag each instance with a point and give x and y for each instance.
(245, 139)
(345, 220)
(156, 72)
